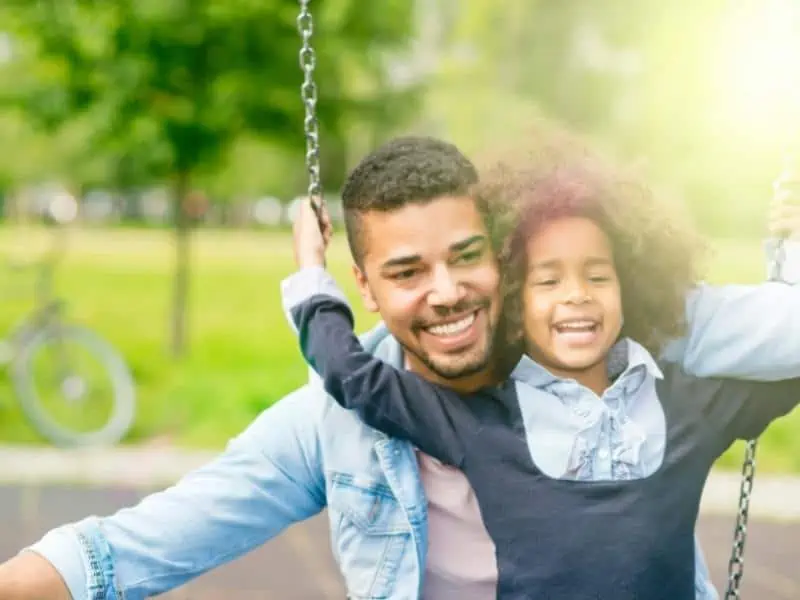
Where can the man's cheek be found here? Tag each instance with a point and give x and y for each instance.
(400, 316)
(409, 303)
(490, 281)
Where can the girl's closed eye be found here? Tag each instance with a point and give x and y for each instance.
(545, 282)
(600, 278)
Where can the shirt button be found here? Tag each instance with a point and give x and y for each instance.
(603, 452)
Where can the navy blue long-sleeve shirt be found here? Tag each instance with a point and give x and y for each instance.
(554, 538)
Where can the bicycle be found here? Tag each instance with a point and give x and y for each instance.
(45, 332)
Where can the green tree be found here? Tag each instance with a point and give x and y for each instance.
(170, 85)
(637, 78)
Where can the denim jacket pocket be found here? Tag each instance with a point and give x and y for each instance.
(370, 535)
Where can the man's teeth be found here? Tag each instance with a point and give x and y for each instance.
(576, 326)
(453, 328)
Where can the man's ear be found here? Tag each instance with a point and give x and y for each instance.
(363, 288)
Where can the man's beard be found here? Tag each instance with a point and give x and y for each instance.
(459, 369)
(456, 366)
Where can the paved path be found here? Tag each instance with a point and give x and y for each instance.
(298, 565)
(41, 488)
(156, 467)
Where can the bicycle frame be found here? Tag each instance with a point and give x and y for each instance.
(48, 309)
(43, 332)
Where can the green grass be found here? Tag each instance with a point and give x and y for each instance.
(243, 355)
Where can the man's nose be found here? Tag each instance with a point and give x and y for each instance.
(446, 290)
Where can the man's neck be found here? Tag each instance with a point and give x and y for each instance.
(462, 385)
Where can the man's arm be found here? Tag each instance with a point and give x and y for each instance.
(744, 331)
(741, 331)
(397, 402)
(741, 410)
(750, 332)
(28, 576)
(268, 478)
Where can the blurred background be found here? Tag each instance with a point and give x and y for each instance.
(151, 155)
(153, 151)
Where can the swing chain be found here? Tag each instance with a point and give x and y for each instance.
(776, 268)
(308, 93)
(736, 564)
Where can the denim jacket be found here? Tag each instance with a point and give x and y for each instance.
(306, 453)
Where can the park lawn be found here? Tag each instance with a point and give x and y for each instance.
(243, 355)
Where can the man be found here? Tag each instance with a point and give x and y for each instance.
(402, 526)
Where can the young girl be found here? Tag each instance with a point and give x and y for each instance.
(590, 263)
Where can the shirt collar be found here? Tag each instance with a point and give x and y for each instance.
(624, 356)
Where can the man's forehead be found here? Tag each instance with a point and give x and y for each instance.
(446, 212)
(422, 229)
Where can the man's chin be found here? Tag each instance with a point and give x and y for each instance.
(450, 368)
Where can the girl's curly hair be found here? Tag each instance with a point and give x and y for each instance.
(656, 254)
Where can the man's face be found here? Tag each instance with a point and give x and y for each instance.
(430, 272)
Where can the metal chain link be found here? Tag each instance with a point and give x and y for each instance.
(736, 563)
(776, 266)
(786, 177)
(308, 93)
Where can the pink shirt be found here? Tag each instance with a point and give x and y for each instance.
(461, 559)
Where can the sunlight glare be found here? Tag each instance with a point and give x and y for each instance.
(758, 75)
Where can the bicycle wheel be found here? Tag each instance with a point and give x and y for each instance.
(74, 345)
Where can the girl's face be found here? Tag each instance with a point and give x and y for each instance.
(571, 300)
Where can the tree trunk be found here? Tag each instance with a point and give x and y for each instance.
(180, 298)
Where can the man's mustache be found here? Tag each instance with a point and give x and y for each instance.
(465, 306)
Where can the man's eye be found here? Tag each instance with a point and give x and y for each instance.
(470, 257)
(401, 275)
(545, 282)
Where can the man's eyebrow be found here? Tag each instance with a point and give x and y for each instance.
(459, 246)
(402, 261)
(464, 244)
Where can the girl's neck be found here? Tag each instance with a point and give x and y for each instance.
(595, 377)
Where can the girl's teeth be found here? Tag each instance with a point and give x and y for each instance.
(577, 326)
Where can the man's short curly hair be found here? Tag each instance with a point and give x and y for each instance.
(405, 170)
(655, 252)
